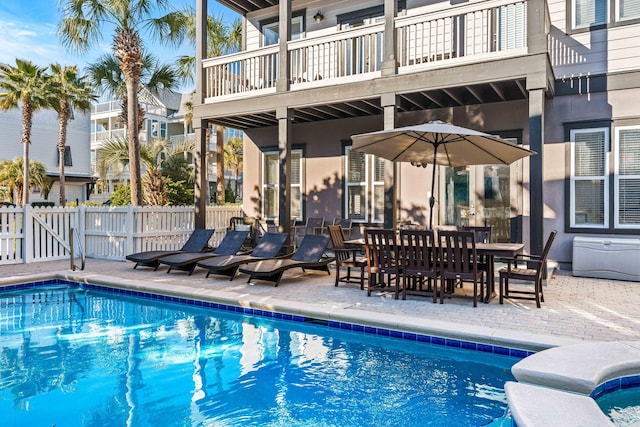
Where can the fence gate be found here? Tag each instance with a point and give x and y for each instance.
(49, 231)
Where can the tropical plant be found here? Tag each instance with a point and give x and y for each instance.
(222, 39)
(107, 77)
(24, 85)
(70, 91)
(81, 28)
(12, 177)
(153, 157)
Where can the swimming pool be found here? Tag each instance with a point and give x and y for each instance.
(77, 355)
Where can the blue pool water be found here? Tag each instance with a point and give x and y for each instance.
(71, 356)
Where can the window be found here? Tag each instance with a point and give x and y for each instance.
(67, 156)
(627, 9)
(270, 182)
(364, 187)
(627, 177)
(589, 178)
(587, 13)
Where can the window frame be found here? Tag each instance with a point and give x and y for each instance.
(369, 188)
(276, 185)
(612, 19)
(605, 178)
(617, 177)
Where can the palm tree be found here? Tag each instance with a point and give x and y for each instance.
(81, 28)
(70, 92)
(152, 156)
(107, 77)
(26, 85)
(12, 176)
(222, 39)
(233, 156)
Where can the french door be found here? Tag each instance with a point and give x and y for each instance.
(481, 196)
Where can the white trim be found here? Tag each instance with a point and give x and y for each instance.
(264, 154)
(604, 178)
(616, 180)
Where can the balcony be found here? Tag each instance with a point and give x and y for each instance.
(465, 34)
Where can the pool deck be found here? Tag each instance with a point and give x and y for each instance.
(576, 309)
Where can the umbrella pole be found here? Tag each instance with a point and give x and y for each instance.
(432, 199)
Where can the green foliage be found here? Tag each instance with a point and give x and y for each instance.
(177, 168)
(43, 204)
(230, 196)
(121, 195)
(180, 193)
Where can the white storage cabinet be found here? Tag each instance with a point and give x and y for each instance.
(607, 258)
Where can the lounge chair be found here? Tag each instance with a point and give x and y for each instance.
(308, 256)
(227, 265)
(197, 242)
(186, 261)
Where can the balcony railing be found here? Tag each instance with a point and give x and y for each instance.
(475, 32)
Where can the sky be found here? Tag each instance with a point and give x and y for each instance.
(28, 31)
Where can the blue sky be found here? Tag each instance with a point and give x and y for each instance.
(28, 31)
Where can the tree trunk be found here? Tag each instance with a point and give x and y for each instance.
(63, 120)
(220, 164)
(135, 176)
(27, 117)
(128, 49)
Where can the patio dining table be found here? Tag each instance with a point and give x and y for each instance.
(490, 250)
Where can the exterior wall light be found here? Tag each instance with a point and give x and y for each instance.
(318, 17)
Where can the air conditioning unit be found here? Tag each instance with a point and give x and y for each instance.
(607, 258)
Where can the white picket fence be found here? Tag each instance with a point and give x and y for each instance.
(29, 234)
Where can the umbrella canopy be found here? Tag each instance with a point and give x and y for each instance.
(439, 143)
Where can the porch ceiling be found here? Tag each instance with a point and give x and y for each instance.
(245, 6)
(483, 93)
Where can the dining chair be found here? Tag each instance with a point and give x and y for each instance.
(383, 258)
(458, 262)
(483, 234)
(346, 257)
(533, 275)
(346, 224)
(420, 255)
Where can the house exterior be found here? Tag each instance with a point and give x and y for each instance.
(165, 114)
(44, 148)
(560, 77)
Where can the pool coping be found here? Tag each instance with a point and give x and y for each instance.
(562, 383)
(482, 335)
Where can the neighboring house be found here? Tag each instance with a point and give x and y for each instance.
(164, 118)
(560, 77)
(44, 148)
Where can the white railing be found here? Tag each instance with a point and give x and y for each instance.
(36, 234)
(476, 32)
(241, 72)
(463, 31)
(348, 53)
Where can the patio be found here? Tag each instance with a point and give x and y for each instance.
(576, 309)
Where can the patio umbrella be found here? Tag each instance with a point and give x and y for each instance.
(439, 143)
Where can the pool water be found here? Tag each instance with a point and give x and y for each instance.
(622, 406)
(71, 356)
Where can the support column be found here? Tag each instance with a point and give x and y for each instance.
(200, 126)
(391, 172)
(284, 29)
(285, 117)
(389, 56)
(201, 181)
(536, 171)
